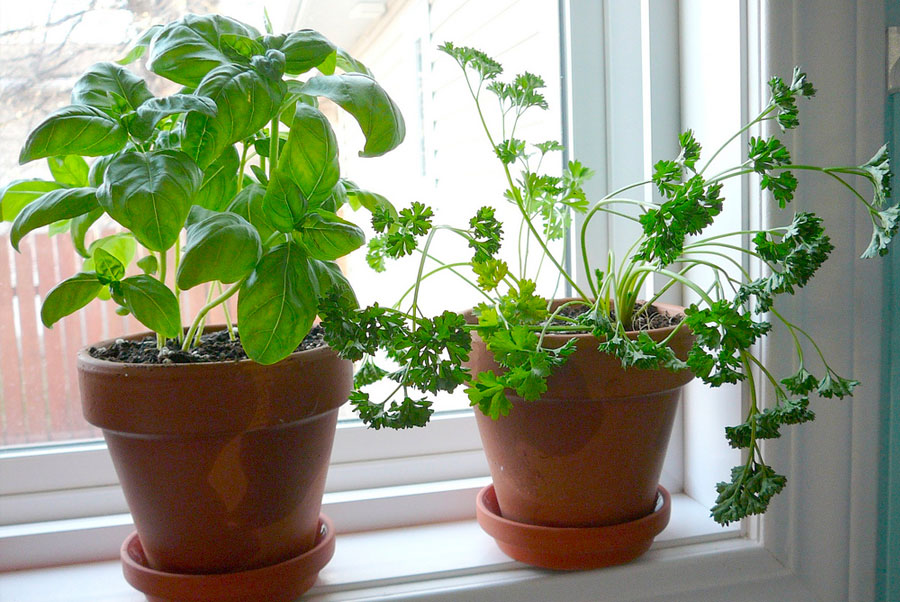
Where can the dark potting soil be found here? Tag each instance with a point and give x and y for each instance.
(214, 347)
(648, 320)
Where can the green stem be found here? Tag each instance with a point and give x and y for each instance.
(443, 266)
(598, 206)
(418, 286)
(758, 118)
(163, 260)
(175, 284)
(228, 323)
(775, 384)
(546, 326)
(273, 147)
(208, 307)
(674, 276)
(240, 180)
(518, 198)
(199, 332)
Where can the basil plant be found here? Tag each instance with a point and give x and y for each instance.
(239, 172)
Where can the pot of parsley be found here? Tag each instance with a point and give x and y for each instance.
(221, 436)
(575, 396)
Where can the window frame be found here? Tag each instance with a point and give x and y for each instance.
(817, 540)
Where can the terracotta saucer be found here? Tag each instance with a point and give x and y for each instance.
(282, 582)
(572, 548)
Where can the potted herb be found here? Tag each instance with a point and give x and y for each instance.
(221, 440)
(576, 396)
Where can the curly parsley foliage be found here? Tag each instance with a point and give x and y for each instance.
(429, 351)
(722, 333)
(750, 490)
(398, 234)
(471, 58)
(784, 97)
(691, 207)
(794, 260)
(486, 234)
(517, 349)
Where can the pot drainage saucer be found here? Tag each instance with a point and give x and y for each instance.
(572, 548)
(282, 582)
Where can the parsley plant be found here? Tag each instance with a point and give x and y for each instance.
(726, 323)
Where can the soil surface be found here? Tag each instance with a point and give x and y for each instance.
(648, 320)
(214, 347)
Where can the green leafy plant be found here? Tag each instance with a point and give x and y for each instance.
(728, 320)
(238, 172)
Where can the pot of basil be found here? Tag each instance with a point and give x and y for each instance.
(221, 436)
(575, 396)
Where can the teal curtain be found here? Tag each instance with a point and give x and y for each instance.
(889, 552)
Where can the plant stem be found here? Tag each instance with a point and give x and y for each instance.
(518, 198)
(175, 286)
(273, 147)
(443, 266)
(208, 307)
(160, 340)
(240, 175)
(228, 322)
(758, 118)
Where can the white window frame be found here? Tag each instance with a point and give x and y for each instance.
(818, 539)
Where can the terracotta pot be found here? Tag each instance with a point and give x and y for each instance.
(223, 464)
(589, 453)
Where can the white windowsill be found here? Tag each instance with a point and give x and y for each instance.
(429, 562)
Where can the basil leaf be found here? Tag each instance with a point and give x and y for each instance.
(122, 246)
(358, 94)
(19, 193)
(246, 100)
(151, 194)
(107, 266)
(310, 157)
(74, 130)
(357, 197)
(50, 207)
(283, 204)
(186, 50)
(350, 64)
(326, 236)
(148, 264)
(276, 304)
(151, 302)
(219, 181)
(79, 227)
(59, 227)
(97, 172)
(69, 296)
(103, 82)
(241, 46)
(260, 174)
(70, 171)
(303, 50)
(140, 45)
(223, 247)
(249, 204)
(327, 277)
(151, 112)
